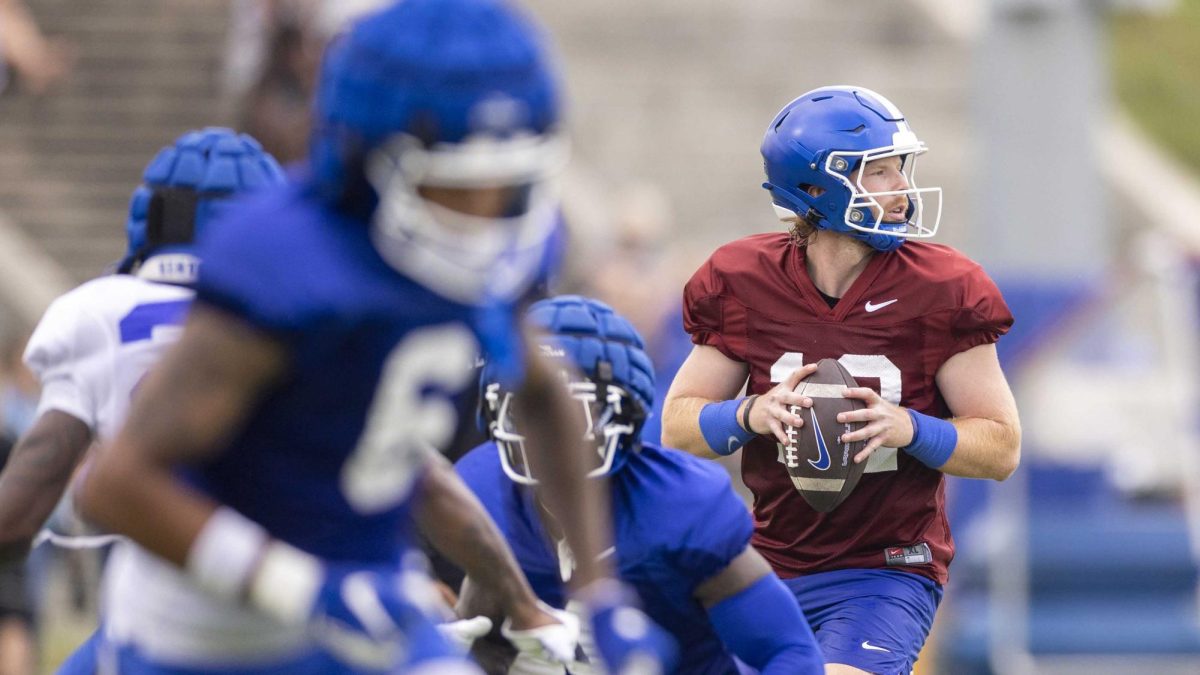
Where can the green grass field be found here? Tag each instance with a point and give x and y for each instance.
(1156, 74)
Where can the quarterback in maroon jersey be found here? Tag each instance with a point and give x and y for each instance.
(915, 323)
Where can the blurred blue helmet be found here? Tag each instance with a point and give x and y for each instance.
(181, 192)
(601, 357)
(824, 139)
(454, 95)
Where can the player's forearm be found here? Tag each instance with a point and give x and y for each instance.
(556, 451)
(144, 502)
(36, 476)
(986, 448)
(681, 426)
(458, 526)
(188, 407)
(763, 626)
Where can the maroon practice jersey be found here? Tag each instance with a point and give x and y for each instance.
(907, 313)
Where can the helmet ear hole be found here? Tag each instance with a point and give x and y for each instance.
(171, 219)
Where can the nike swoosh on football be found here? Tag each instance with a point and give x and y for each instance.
(872, 307)
(867, 645)
(823, 458)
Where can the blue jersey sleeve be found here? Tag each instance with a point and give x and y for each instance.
(764, 626)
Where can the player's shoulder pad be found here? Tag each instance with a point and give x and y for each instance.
(676, 491)
(81, 322)
(685, 512)
(945, 276)
(735, 265)
(746, 255)
(480, 471)
(939, 263)
(480, 461)
(275, 258)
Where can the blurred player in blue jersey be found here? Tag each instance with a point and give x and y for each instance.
(269, 463)
(682, 534)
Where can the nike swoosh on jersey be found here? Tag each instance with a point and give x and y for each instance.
(870, 307)
(867, 645)
(734, 444)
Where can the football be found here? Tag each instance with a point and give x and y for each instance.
(822, 467)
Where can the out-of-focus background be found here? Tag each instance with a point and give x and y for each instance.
(1066, 134)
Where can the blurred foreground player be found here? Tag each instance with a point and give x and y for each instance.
(682, 535)
(915, 323)
(96, 342)
(270, 462)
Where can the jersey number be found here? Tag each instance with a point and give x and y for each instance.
(145, 321)
(858, 365)
(409, 416)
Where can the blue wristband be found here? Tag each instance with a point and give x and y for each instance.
(719, 424)
(933, 439)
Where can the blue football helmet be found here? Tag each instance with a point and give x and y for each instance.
(824, 139)
(601, 357)
(182, 190)
(445, 94)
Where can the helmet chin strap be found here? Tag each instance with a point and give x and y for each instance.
(879, 241)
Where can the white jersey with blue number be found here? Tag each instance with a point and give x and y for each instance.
(90, 351)
(95, 344)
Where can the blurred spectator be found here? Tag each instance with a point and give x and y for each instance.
(38, 62)
(642, 277)
(271, 65)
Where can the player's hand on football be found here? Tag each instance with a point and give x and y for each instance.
(886, 424)
(772, 411)
(552, 638)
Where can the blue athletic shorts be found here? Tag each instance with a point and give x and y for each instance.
(874, 620)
